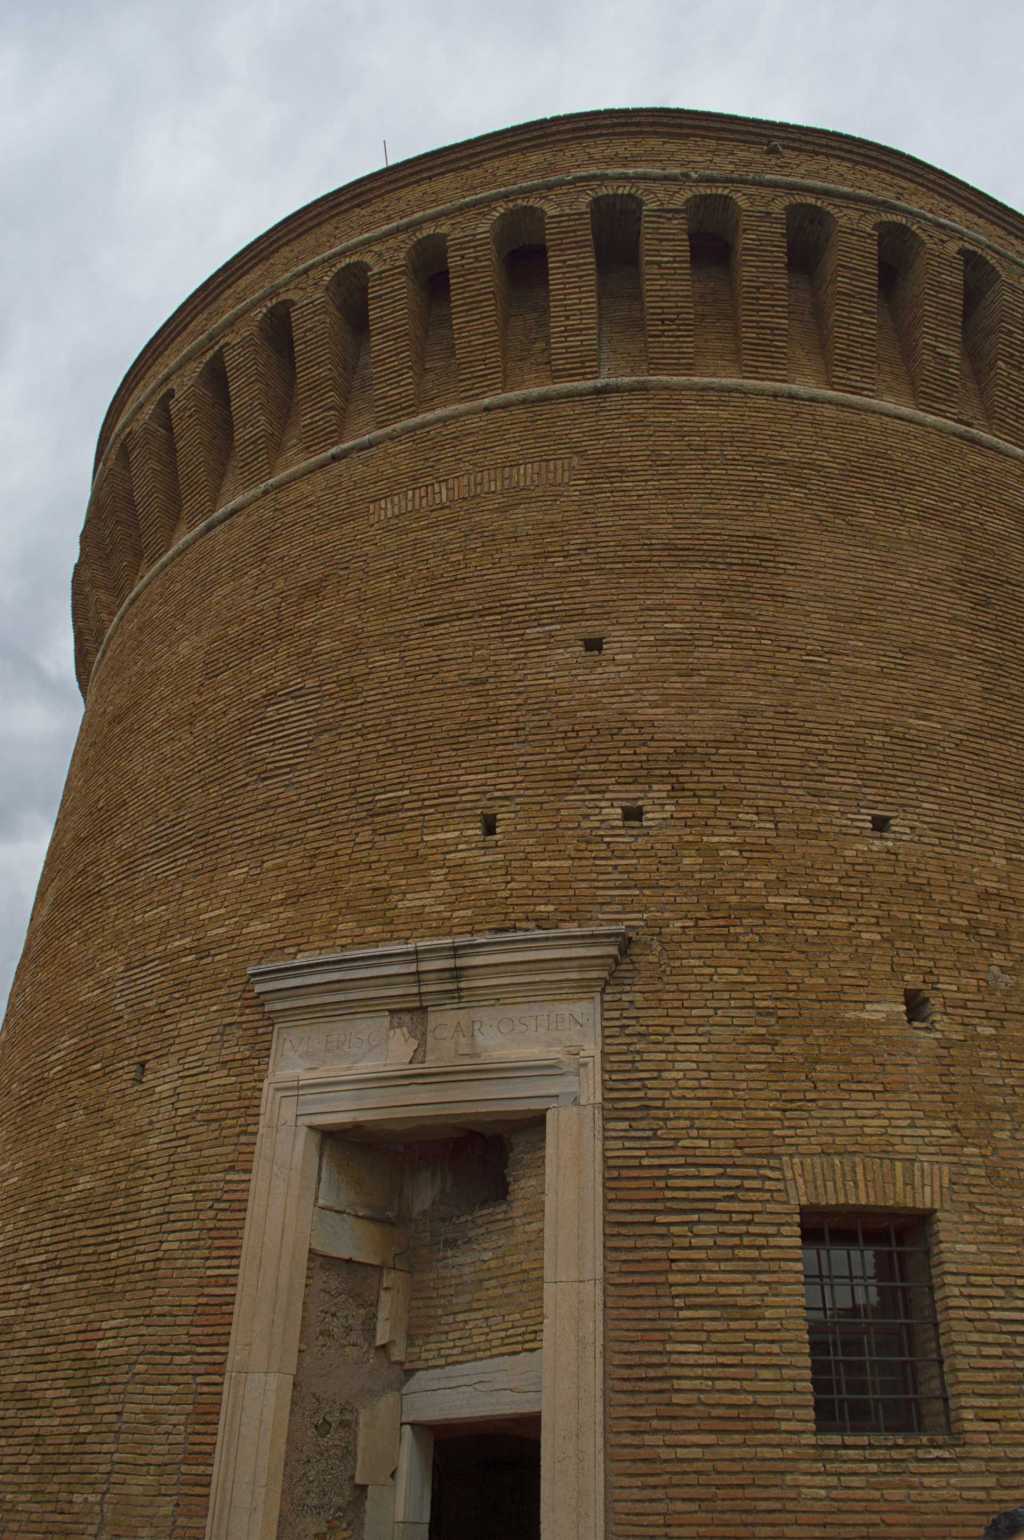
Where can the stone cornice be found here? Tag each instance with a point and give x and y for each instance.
(466, 970)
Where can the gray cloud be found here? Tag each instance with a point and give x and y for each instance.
(143, 144)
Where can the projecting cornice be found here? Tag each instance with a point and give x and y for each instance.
(467, 970)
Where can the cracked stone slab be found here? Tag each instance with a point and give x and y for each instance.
(489, 1387)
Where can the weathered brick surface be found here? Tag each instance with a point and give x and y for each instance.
(811, 613)
(478, 1277)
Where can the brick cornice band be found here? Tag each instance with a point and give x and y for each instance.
(576, 390)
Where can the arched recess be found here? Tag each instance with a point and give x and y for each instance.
(86, 623)
(164, 475)
(430, 323)
(810, 273)
(521, 254)
(713, 226)
(901, 295)
(980, 329)
(278, 357)
(621, 334)
(117, 520)
(215, 430)
(349, 290)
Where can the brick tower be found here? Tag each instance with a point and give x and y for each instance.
(520, 1028)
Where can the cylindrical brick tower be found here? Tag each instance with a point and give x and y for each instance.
(531, 945)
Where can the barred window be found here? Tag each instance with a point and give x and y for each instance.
(876, 1365)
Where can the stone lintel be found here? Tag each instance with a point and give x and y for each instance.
(509, 1386)
(467, 970)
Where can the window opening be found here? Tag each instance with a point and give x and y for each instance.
(349, 291)
(279, 380)
(876, 1364)
(979, 337)
(164, 464)
(217, 431)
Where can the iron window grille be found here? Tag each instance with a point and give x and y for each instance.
(876, 1363)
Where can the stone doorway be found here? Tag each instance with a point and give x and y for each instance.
(411, 1044)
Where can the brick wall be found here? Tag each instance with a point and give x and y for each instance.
(478, 1277)
(810, 609)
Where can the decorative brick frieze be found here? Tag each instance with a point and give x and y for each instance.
(457, 489)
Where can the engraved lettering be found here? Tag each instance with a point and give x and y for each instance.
(491, 1031)
(363, 1041)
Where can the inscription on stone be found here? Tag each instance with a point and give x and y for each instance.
(362, 1040)
(494, 1031)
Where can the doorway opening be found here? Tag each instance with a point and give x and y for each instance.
(486, 1481)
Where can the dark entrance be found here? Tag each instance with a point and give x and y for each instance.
(486, 1484)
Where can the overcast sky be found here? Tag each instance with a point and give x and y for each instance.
(143, 143)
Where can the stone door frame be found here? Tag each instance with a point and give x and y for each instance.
(323, 1007)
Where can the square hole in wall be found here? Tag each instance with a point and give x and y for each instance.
(918, 1007)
